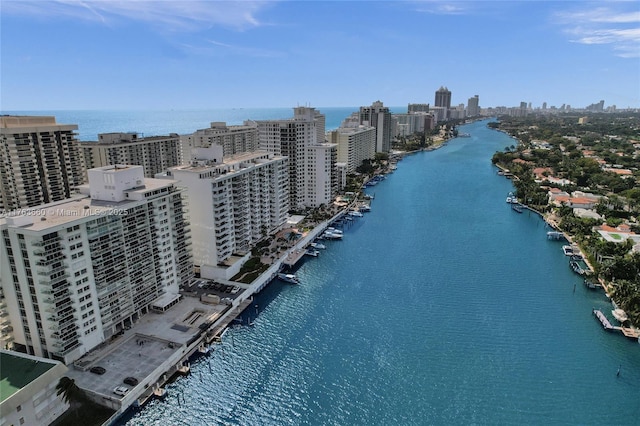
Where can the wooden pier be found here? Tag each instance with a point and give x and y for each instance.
(603, 320)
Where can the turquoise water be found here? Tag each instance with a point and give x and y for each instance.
(441, 306)
(154, 123)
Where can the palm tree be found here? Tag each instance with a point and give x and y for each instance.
(70, 392)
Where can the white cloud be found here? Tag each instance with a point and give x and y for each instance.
(605, 25)
(438, 7)
(169, 14)
(247, 51)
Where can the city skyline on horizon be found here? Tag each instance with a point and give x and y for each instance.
(209, 55)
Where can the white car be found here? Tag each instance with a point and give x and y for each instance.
(235, 289)
(121, 390)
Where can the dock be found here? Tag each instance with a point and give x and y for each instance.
(631, 333)
(221, 326)
(293, 257)
(603, 320)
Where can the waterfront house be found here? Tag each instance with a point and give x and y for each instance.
(619, 234)
(574, 202)
(556, 192)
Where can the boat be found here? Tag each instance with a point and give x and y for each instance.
(576, 257)
(516, 207)
(318, 246)
(355, 213)
(576, 267)
(620, 315)
(554, 235)
(333, 230)
(590, 284)
(365, 208)
(289, 278)
(568, 250)
(312, 252)
(512, 199)
(464, 135)
(328, 235)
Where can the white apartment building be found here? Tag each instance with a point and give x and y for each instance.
(76, 272)
(155, 154)
(40, 161)
(299, 139)
(233, 203)
(411, 123)
(233, 139)
(355, 144)
(322, 183)
(30, 397)
(379, 116)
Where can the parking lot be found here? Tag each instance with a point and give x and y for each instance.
(150, 343)
(225, 290)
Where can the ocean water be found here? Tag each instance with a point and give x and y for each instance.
(154, 123)
(441, 306)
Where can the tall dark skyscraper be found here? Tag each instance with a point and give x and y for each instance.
(443, 98)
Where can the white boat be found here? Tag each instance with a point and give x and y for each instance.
(312, 252)
(365, 208)
(620, 315)
(333, 230)
(355, 213)
(289, 278)
(318, 246)
(331, 236)
(554, 235)
(568, 250)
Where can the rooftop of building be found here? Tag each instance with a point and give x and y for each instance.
(17, 370)
(29, 121)
(73, 209)
(137, 140)
(244, 157)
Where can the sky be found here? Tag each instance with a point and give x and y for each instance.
(183, 55)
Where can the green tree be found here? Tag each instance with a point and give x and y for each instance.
(70, 392)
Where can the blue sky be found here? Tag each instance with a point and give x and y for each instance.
(214, 54)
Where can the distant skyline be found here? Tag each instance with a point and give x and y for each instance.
(183, 55)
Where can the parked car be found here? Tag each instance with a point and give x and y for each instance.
(235, 289)
(121, 390)
(131, 381)
(98, 370)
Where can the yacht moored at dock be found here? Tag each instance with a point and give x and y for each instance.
(289, 278)
(312, 252)
(575, 266)
(318, 246)
(555, 235)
